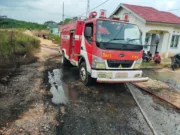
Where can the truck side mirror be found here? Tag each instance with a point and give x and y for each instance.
(88, 31)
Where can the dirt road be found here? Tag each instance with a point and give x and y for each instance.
(30, 103)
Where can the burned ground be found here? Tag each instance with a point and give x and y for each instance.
(26, 105)
(23, 102)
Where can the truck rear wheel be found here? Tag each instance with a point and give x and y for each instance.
(83, 73)
(64, 61)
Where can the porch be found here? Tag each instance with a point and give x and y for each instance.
(157, 40)
(162, 38)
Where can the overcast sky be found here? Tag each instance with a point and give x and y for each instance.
(44, 10)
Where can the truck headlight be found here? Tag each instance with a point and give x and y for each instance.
(137, 64)
(98, 63)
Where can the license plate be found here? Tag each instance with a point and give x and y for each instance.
(121, 75)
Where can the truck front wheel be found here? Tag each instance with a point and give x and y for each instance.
(85, 77)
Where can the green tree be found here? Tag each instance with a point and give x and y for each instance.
(65, 21)
(11, 23)
(49, 22)
(61, 23)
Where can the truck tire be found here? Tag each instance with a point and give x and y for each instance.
(83, 73)
(64, 61)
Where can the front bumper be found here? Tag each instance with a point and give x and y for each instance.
(108, 76)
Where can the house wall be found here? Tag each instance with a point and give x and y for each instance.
(176, 31)
(132, 18)
(165, 31)
(55, 31)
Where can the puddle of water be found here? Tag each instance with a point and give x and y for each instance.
(57, 76)
(62, 93)
(59, 96)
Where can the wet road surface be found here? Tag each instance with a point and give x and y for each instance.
(106, 109)
(164, 118)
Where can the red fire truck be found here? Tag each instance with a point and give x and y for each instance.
(105, 50)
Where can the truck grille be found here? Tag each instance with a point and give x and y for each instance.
(120, 63)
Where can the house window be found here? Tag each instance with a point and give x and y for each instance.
(174, 41)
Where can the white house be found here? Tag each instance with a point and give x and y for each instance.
(153, 24)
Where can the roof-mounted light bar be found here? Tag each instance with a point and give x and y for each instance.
(93, 14)
(102, 13)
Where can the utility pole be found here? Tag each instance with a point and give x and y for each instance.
(63, 13)
(88, 7)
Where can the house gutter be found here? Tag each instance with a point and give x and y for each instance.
(164, 23)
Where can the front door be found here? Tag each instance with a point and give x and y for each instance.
(153, 44)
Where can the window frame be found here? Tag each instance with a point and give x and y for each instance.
(124, 16)
(173, 41)
(90, 42)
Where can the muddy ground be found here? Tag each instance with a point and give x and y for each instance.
(30, 103)
(166, 75)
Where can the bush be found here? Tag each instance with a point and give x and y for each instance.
(15, 42)
(54, 38)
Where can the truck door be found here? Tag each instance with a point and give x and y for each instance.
(88, 43)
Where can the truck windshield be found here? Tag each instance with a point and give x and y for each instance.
(113, 33)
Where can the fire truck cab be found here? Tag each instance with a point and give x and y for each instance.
(105, 50)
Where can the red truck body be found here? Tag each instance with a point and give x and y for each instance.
(83, 45)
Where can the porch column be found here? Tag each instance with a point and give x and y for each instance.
(143, 37)
(149, 42)
(168, 44)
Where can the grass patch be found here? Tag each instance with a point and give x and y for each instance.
(164, 64)
(150, 64)
(14, 42)
(15, 45)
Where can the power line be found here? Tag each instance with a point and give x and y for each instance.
(173, 9)
(94, 8)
